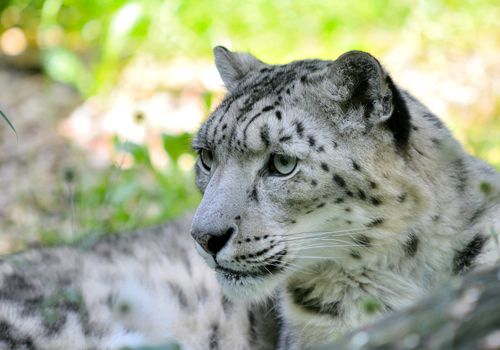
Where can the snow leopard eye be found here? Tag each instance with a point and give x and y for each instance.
(207, 159)
(282, 165)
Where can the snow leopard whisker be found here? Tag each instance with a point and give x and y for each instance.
(325, 234)
(343, 247)
(321, 239)
(319, 257)
(325, 231)
(293, 267)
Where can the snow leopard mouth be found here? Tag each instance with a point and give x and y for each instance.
(264, 270)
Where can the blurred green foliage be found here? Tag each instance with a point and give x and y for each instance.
(85, 43)
(117, 198)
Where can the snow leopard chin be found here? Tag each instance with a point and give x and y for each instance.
(250, 288)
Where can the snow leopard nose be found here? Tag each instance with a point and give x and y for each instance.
(213, 242)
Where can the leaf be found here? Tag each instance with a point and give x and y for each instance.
(63, 65)
(176, 145)
(8, 122)
(139, 152)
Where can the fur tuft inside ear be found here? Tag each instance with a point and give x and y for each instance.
(360, 80)
(233, 66)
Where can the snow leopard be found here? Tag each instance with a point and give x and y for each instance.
(326, 188)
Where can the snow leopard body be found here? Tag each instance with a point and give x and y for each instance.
(378, 205)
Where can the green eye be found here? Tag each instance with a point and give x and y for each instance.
(282, 165)
(207, 159)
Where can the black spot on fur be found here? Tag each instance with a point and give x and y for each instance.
(303, 78)
(311, 141)
(460, 175)
(339, 200)
(356, 166)
(224, 126)
(237, 218)
(355, 255)
(434, 120)
(278, 115)
(285, 138)
(321, 205)
(227, 305)
(267, 108)
(299, 128)
(179, 294)
(13, 340)
(411, 245)
(375, 222)
(213, 342)
(321, 149)
(55, 322)
(17, 283)
(314, 182)
(376, 201)
(465, 257)
(399, 121)
(363, 240)
(325, 167)
(373, 185)
(361, 194)
(339, 180)
(349, 193)
(264, 135)
(302, 296)
(476, 215)
(402, 197)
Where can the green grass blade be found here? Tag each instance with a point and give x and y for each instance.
(8, 122)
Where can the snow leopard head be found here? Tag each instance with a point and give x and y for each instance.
(299, 164)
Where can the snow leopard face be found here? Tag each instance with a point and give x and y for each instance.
(291, 165)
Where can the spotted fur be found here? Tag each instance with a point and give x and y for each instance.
(384, 202)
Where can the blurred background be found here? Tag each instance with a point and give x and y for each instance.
(106, 94)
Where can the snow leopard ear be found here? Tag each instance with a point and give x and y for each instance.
(233, 66)
(360, 80)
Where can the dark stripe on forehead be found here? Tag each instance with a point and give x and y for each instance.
(221, 111)
(248, 124)
(271, 82)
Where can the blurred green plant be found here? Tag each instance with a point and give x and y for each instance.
(85, 43)
(123, 198)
